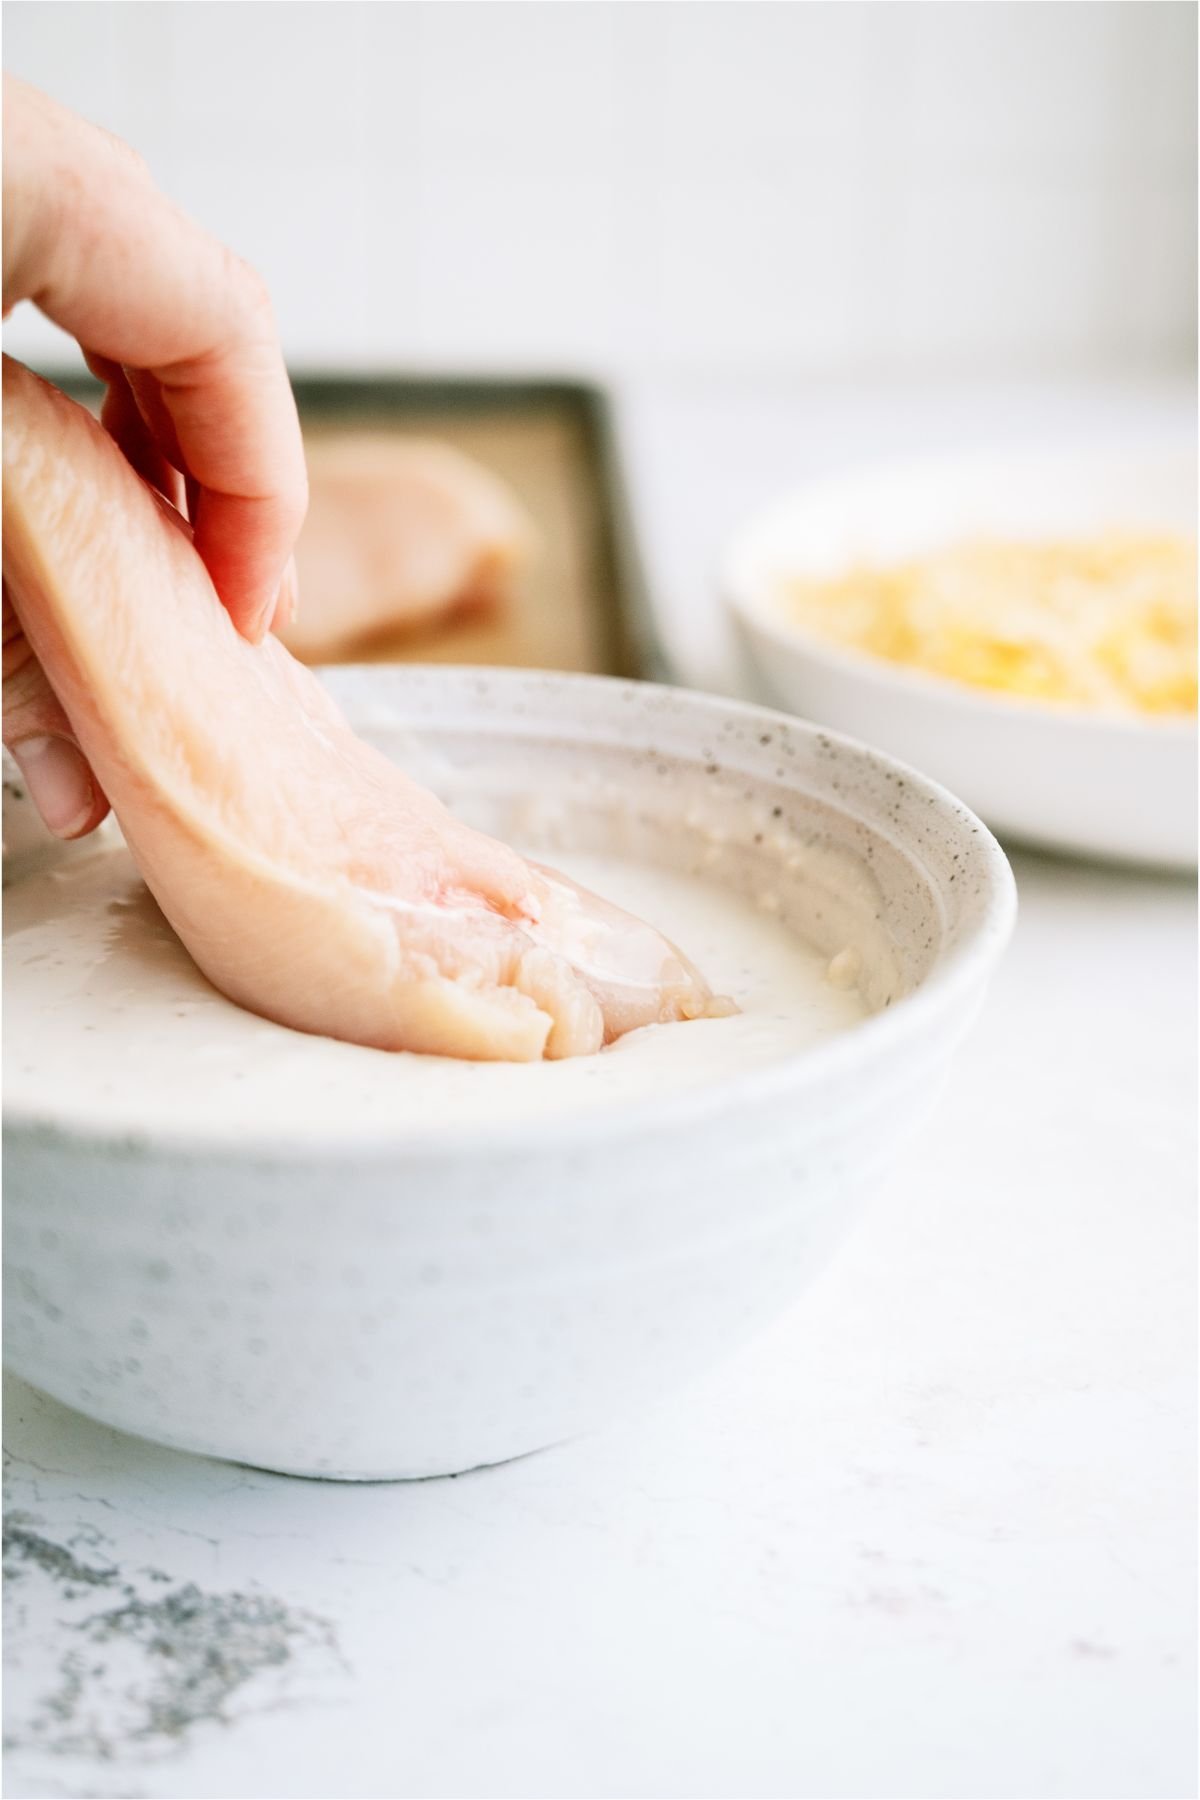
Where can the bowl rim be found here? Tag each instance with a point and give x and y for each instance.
(957, 974)
(750, 598)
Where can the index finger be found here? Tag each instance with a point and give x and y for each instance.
(95, 245)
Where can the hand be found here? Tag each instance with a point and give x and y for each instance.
(182, 333)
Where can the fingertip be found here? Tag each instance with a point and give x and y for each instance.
(250, 606)
(61, 784)
(238, 542)
(99, 812)
(258, 624)
(287, 601)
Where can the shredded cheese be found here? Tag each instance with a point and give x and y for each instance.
(1107, 624)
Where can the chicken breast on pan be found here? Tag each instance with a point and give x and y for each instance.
(400, 532)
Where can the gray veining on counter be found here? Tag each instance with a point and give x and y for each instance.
(138, 1660)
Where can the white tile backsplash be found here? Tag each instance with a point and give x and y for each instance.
(730, 185)
(1027, 258)
(759, 85)
(1008, 88)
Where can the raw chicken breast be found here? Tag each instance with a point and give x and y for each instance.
(400, 532)
(310, 879)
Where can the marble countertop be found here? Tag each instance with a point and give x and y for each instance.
(930, 1536)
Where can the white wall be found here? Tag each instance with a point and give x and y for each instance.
(846, 188)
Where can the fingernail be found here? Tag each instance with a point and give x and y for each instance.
(59, 782)
(288, 600)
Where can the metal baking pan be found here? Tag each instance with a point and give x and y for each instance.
(582, 604)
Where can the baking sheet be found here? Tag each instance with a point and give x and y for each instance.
(581, 602)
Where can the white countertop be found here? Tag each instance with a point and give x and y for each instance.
(930, 1536)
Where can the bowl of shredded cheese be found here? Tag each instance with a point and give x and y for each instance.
(1020, 625)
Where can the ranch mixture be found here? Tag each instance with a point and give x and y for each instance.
(109, 1022)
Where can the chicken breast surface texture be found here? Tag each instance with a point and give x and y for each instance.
(311, 880)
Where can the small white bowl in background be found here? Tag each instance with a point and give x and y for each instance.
(1064, 779)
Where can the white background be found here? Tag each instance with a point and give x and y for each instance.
(851, 189)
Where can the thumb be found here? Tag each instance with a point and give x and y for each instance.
(38, 736)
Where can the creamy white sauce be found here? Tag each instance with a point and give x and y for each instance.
(109, 1022)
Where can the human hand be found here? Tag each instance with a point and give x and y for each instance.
(182, 333)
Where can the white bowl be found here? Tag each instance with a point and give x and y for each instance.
(1069, 780)
(402, 1305)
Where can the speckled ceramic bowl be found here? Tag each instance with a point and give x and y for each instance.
(406, 1305)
